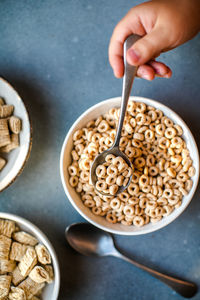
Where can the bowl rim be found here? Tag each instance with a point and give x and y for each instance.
(30, 141)
(138, 99)
(43, 238)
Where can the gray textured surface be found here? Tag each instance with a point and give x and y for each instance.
(55, 55)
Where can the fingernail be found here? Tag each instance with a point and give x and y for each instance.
(146, 76)
(134, 55)
(143, 75)
(117, 74)
(159, 72)
(115, 71)
(168, 75)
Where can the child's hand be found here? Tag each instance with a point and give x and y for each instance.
(164, 25)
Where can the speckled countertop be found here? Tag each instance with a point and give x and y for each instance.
(55, 54)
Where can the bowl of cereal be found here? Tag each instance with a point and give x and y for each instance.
(15, 134)
(29, 267)
(165, 163)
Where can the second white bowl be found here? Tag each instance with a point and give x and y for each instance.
(51, 290)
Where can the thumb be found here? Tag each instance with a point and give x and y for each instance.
(148, 47)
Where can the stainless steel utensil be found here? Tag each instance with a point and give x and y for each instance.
(129, 74)
(91, 241)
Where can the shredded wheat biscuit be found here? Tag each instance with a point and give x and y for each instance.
(17, 293)
(6, 266)
(25, 238)
(7, 227)
(5, 244)
(22, 275)
(28, 261)
(5, 281)
(10, 127)
(39, 274)
(17, 251)
(30, 287)
(43, 254)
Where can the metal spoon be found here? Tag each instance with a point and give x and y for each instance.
(91, 241)
(129, 74)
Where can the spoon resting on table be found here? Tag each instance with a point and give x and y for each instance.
(91, 241)
(129, 74)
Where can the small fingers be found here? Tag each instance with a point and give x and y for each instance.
(147, 47)
(116, 56)
(152, 69)
(161, 69)
(146, 72)
(128, 25)
(117, 65)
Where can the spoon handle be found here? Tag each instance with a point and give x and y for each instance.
(185, 288)
(129, 74)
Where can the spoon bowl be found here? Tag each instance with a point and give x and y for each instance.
(89, 240)
(100, 159)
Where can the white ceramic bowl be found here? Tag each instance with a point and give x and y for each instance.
(101, 222)
(50, 291)
(17, 158)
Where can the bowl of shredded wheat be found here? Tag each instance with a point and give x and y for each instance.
(15, 134)
(29, 267)
(165, 166)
